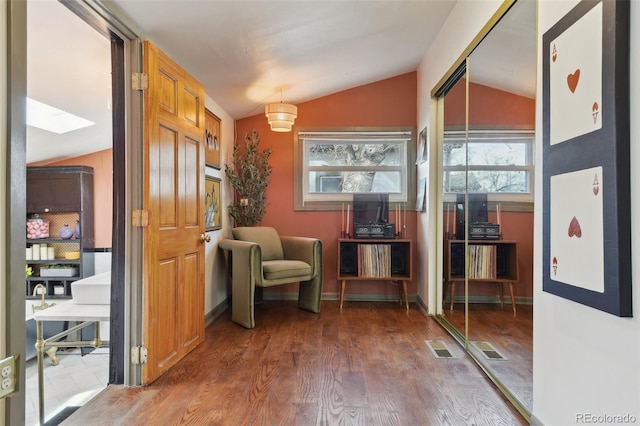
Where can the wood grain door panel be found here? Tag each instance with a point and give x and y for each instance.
(192, 201)
(164, 312)
(174, 179)
(190, 318)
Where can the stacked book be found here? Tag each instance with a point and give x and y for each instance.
(482, 262)
(374, 260)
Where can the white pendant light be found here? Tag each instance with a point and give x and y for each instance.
(281, 116)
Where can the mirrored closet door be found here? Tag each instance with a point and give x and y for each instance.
(488, 113)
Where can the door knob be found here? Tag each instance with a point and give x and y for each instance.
(204, 238)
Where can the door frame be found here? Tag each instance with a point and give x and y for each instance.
(126, 308)
(126, 52)
(15, 184)
(126, 300)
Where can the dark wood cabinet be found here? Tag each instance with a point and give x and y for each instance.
(489, 261)
(373, 260)
(59, 189)
(62, 196)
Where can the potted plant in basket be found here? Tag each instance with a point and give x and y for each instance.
(249, 175)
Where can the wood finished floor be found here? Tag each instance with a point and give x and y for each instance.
(366, 365)
(511, 335)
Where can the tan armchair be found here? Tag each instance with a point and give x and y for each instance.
(260, 257)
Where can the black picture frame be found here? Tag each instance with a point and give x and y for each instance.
(605, 149)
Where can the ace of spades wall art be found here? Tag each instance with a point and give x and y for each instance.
(586, 183)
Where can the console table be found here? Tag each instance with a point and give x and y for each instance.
(375, 260)
(489, 261)
(87, 315)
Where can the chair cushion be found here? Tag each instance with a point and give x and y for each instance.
(278, 269)
(266, 237)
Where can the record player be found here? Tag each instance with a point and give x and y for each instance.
(375, 230)
(484, 231)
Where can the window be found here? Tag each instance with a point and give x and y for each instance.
(332, 165)
(499, 162)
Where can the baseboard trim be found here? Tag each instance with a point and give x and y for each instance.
(354, 297)
(422, 306)
(216, 312)
(490, 299)
(365, 297)
(535, 421)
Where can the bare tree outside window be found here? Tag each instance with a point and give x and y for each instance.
(367, 156)
(498, 162)
(335, 165)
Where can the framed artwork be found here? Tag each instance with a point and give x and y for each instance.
(212, 213)
(421, 156)
(212, 126)
(421, 195)
(586, 170)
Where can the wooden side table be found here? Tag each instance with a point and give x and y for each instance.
(500, 265)
(375, 260)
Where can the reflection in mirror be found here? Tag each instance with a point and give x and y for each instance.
(489, 120)
(501, 94)
(454, 181)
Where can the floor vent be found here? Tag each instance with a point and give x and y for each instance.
(439, 349)
(488, 351)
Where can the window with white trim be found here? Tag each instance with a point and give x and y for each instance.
(496, 162)
(335, 164)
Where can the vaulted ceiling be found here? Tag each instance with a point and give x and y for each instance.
(245, 53)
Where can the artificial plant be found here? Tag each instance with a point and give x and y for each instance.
(249, 175)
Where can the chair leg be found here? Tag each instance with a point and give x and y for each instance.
(310, 294)
(258, 295)
(513, 299)
(242, 299)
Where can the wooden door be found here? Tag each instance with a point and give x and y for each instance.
(173, 306)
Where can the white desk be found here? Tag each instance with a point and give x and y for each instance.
(86, 315)
(69, 311)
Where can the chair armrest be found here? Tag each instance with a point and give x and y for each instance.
(233, 245)
(305, 249)
(246, 260)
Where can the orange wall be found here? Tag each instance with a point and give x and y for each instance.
(489, 108)
(518, 226)
(102, 163)
(390, 102)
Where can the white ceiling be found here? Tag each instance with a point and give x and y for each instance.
(243, 52)
(69, 68)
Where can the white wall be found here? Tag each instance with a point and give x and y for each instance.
(585, 361)
(101, 262)
(216, 277)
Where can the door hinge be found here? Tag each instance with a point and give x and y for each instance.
(138, 355)
(140, 218)
(139, 81)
